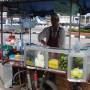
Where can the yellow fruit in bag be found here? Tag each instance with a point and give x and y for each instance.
(53, 63)
(77, 73)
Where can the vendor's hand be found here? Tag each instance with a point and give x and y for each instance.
(43, 42)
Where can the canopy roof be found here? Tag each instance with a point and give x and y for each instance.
(44, 7)
(26, 7)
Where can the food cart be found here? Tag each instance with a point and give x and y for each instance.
(43, 58)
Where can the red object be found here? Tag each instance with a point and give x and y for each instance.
(11, 39)
(35, 76)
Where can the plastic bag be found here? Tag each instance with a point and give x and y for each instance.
(7, 75)
(77, 46)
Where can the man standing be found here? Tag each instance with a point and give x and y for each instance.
(54, 35)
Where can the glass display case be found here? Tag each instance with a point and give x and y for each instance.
(57, 59)
(35, 56)
(78, 65)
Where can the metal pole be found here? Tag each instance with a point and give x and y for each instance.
(21, 36)
(29, 80)
(74, 85)
(70, 26)
(11, 24)
(20, 82)
(2, 31)
(22, 43)
(30, 36)
(79, 26)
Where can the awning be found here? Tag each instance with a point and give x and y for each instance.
(84, 6)
(40, 8)
(45, 7)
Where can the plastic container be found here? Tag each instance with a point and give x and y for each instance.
(78, 66)
(35, 56)
(57, 59)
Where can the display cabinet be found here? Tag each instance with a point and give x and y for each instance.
(57, 59)
(47, 58)
(35, 56)
(78, 66)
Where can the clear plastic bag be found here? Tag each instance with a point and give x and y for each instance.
(77, 46)
(7, 75)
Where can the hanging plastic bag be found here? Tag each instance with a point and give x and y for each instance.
(29, 23)
(7, 75)
(77, 46)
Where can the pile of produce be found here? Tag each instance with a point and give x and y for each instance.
(36, 60)
(63, 61)
(77, 68)
(30, 59)
(29, 62)
(77, 73)
(78, 62)
(53, 63)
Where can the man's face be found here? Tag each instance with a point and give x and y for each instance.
(55, 22)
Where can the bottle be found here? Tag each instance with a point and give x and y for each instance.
(36, 83)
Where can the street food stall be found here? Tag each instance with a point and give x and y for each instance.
(65, 66)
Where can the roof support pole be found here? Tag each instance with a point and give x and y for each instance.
(2, 31)
(70, 25)
(79, 27)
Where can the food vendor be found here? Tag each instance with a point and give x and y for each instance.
(54, 35)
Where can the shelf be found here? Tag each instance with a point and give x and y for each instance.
(14, 63)
(17, 63)
(49, 70)
(14, 32)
